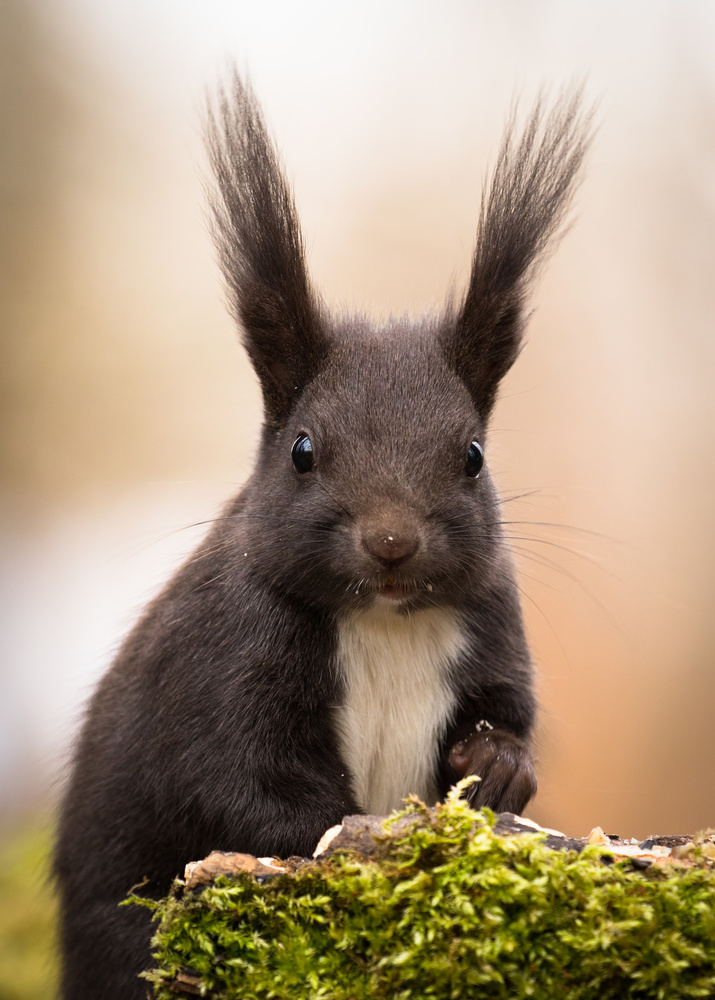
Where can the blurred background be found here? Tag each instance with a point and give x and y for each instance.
(130, 414)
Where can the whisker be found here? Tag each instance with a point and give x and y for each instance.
(568, 527)
(543, 614)
(541, 560)
(563, 548)
(325, 490)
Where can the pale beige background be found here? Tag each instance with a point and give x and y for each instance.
(129, 412)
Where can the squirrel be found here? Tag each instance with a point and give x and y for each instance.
(349, 631)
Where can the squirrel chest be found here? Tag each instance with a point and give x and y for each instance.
(397, 700)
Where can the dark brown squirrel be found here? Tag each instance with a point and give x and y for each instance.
(350, 630)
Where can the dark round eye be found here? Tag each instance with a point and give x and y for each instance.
(302, 453)
(475, 460)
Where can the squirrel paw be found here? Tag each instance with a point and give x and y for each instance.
(504, 764)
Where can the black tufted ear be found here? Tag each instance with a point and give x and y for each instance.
(260, 249)
(523, 207)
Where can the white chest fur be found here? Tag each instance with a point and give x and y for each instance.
(397, 700)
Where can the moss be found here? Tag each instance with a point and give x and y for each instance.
(448, 910)
(27, 914)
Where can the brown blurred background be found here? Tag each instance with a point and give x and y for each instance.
(129, 413)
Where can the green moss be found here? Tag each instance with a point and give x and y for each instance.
(449, 910)
(27, 914)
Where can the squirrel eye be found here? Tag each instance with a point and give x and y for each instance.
(475, 460)
(302, 453)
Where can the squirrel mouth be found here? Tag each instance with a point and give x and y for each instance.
(391, 588)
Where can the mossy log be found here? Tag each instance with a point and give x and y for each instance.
(444, 903)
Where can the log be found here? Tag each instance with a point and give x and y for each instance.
(445, 902)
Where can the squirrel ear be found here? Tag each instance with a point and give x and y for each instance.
(523, 208)
(260, 248)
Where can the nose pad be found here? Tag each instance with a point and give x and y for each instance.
(391, 547)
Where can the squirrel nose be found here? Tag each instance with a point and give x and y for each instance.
(391, 547)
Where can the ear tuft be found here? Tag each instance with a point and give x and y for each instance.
(260, 249)
(523, 208)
